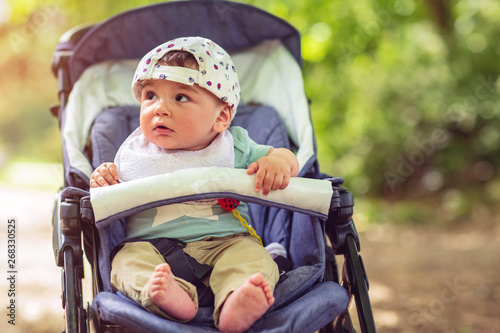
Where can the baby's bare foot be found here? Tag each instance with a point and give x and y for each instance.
(166, 293)
(246, 305)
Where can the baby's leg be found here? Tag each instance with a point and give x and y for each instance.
(166, 293)
(134, 268)
(242, 269)
(246, 305)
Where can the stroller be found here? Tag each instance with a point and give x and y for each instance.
(94, 66)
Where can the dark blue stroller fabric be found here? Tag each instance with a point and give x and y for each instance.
(302, 305)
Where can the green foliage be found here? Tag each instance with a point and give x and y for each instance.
(404, 93)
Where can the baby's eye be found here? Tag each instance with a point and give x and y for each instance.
(151, 96)
(181, 98)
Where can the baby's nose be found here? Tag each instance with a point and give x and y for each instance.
(162, 109)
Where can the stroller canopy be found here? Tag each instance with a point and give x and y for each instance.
(131, 34)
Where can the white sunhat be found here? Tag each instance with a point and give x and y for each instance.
(216, 71)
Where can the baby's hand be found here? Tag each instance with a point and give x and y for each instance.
(272, 173)
(106, 174)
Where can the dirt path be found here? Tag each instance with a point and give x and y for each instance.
(422, 280)
(38, 279)
(425, 280)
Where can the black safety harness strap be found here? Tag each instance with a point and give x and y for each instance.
(183, 265)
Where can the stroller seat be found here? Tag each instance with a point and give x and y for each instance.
(296, 293)
(95, 66)
(116, 308)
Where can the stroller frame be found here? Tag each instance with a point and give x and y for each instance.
(73, 218)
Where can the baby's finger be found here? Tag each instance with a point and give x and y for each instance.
(285, 183)
(252, 168)
(259, 179)
(106, 175)
(268, 183)
(277, 183)
(113, 170)
(101, 180)
(93, 183)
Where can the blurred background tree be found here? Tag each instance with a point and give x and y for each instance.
(404, 96)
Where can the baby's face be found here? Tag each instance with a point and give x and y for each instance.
(179, 116)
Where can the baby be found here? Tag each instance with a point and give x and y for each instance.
(189, 92)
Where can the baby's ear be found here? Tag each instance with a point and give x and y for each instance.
(223, 119)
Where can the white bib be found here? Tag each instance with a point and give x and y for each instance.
(139, 158)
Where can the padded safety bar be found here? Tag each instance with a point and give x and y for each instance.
(308, 196)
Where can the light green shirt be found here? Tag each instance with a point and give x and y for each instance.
(192, 222)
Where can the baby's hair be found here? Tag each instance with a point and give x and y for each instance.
(180, 59)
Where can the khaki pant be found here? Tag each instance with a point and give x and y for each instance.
(234, 259)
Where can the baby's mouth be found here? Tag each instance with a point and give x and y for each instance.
(163, 129)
